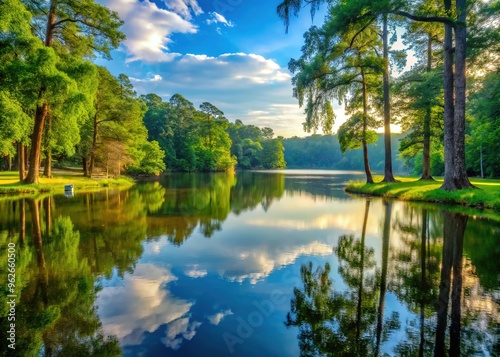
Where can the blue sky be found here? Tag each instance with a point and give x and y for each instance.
(231, 53)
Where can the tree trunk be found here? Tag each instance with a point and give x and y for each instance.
(460, 222)
(481, 159)
(369, 177)
(36, 142)
(41, 110)
(423, 283)
(48, 216)
(21, 161)
(47, 172)
(85, 167)
(426, 155)
(386, 235)
(388, 175)
(444, 286)
(449, 108)
(361, 275)
(92, 149)
(22, 222)
(460, 171)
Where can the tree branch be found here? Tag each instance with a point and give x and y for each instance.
(444, 20)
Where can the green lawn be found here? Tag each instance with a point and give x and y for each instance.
(486, 194)
(10, 185)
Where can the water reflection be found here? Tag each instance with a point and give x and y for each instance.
(427, 273)
(55, 313)
(133, 273)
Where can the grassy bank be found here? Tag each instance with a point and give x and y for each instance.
(10, 185)
(487, 193)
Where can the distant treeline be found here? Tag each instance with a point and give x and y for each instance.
(323, 151)
(205, 140)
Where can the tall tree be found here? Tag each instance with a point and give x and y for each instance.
(344, 67)
(419, 94)
(79, 27)
(455, 19)
(18, 54)
(349, 19)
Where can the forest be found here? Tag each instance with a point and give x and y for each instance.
(57, 107)
(447, 103)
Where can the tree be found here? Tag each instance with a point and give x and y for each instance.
(77, 27)
(18, 52)
(70, 112)
(348, 71)
(348, 20)
(454, 19)
(484, 140)
(267, 133)
(151, 160)
(214, 145)
(272, 155)
(116, 131)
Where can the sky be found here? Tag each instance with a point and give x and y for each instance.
(231, 53)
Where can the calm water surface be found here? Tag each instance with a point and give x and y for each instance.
(253, 264)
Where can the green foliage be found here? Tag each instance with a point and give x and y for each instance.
(483, 143)
(323, 151)
(352, 135)
(81, 27)
(151, 161)
(272, 155)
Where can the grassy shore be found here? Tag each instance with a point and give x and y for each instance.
(486, 195)
(10, 185)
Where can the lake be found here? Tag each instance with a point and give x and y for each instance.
(251, 264)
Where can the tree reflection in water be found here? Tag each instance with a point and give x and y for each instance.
(345, 323)
(55, 313)
(332, 322)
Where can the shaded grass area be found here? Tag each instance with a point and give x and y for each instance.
(10, 185)
(487, 193)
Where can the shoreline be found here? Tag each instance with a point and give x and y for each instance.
(10, 186)
(486, 195)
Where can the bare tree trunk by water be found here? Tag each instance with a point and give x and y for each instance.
(460, 170)
(388, 175)
(369, 178)
(426, 154)
(47, 171)
(36, 142)
(449, 108)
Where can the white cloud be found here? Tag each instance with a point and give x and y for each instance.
(148, 28)
(195, 272)
(178, 331)
(140, 304)
(216, 18)
(154, 78)
(217, 318)
(184, 7)
(244, 86)
(255, 265)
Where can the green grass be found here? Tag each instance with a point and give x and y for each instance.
(10, 185)
(487, 193)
